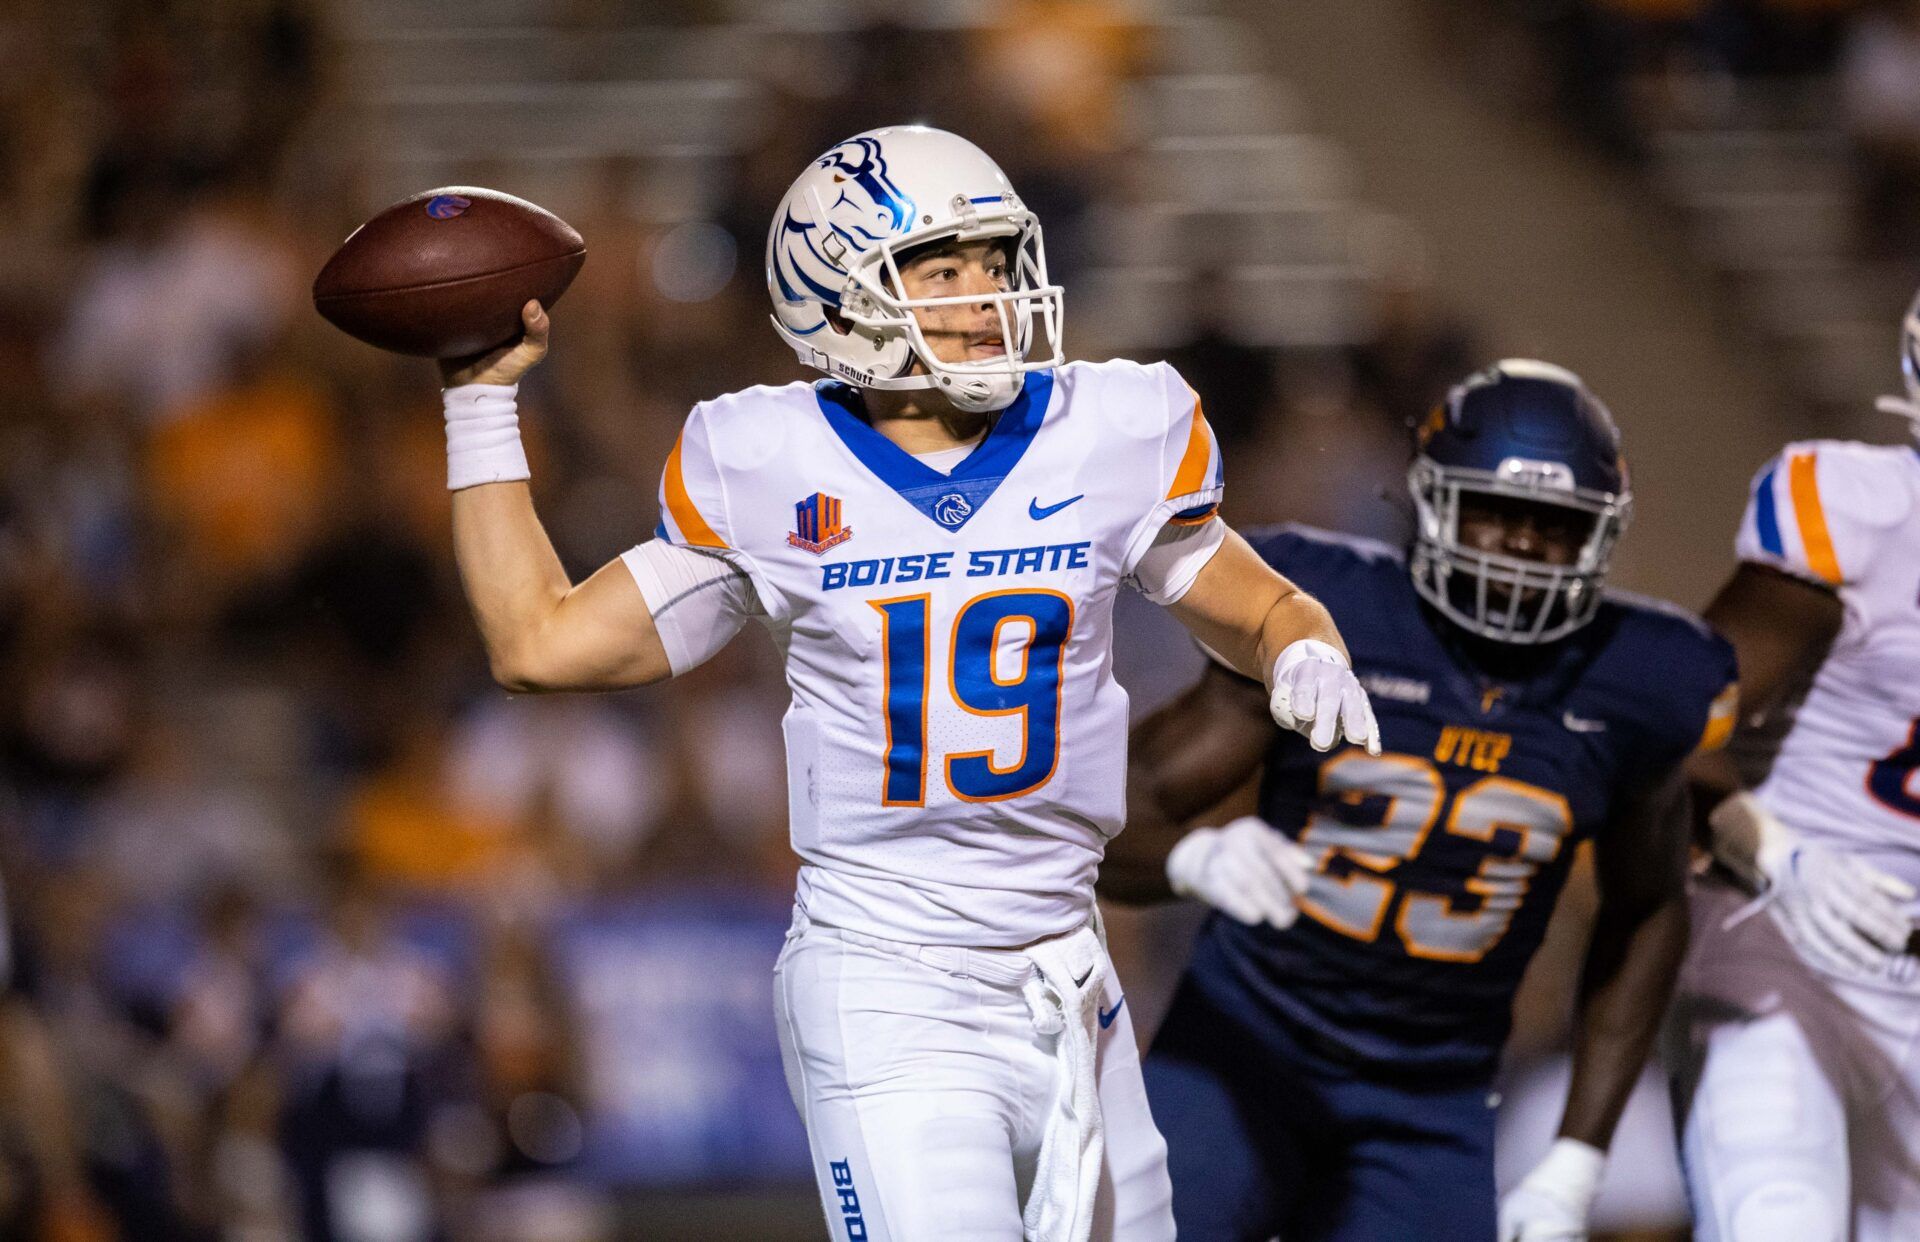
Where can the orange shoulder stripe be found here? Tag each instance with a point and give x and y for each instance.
(1803, 484)
(693, 527)
(1192, 474)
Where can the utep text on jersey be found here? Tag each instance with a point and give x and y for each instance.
(1440, 860)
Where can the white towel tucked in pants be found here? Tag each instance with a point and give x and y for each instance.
(937, 1103)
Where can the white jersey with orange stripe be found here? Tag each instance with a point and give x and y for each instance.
(956, 743)
(1847, 516)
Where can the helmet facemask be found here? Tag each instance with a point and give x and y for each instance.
(1908, 407)
(875, 305)
(1495, 595)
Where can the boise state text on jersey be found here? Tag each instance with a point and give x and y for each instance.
(1440, 860)
(956, 745)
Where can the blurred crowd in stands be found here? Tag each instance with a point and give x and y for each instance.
(296, 897)
(1620, 68)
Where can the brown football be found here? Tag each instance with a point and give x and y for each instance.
(444, 274)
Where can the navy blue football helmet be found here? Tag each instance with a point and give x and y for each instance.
(1523, 430)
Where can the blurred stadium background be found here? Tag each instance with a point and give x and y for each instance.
(317, 934)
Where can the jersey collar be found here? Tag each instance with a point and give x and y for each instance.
(1528, 676)
(947, 500)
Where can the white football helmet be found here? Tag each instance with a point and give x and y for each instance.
(1908, 406)
(834, 246)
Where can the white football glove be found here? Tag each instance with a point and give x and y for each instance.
(1843, 915)
(1553, 1201)
(1249, 869)
(1314, 692)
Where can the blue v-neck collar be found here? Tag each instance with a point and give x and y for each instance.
(947, 500)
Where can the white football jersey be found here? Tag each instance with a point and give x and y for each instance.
(956, 744)
(1847, 516)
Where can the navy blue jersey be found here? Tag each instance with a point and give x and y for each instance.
(1440, 860)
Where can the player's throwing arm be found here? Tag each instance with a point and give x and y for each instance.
(465, 275)
(541, 631)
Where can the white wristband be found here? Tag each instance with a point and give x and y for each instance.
(1572, 1168)
(483, 436)
(1300, 651)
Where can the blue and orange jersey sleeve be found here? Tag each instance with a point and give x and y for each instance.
(1195, 473)
(1818, 509)
(1186, 481)
(692, 496)
(694, 513)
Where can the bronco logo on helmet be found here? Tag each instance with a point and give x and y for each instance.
(861, 161)
(816, 256)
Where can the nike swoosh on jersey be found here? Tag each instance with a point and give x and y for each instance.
(1580, 724)
(1108, 1015)
(1035, 512)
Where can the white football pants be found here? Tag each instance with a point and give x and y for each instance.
(1797, 1090)
(926, 1086)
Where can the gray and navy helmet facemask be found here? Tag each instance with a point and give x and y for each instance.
(1527, 431)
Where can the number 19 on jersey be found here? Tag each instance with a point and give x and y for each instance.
(978, 681)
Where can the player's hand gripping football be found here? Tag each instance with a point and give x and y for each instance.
(508, 363)
(1247, 869)
(1314, 692)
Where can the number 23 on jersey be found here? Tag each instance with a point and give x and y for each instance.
(1020, 680)
(1397, 802)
